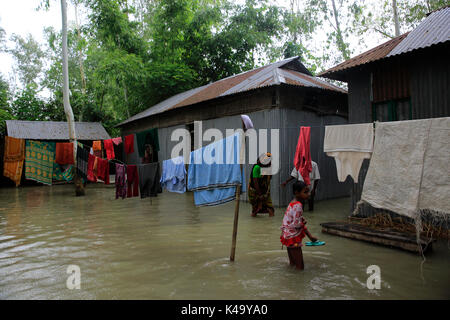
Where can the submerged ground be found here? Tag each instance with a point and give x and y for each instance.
(166, 248)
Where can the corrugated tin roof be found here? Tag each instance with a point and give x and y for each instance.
(373, 54)
(52, 130)
(433, 30)
(288, 71)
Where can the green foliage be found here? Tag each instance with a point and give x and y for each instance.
(132, 54)
(379, 18)
(29, 58)
(5, 112)
(28, 106)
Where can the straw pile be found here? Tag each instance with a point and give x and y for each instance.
(383, 221)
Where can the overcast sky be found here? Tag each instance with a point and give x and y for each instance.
(20, 17)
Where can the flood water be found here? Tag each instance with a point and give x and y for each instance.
(166, 248)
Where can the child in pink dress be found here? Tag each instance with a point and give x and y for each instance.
(294, 226)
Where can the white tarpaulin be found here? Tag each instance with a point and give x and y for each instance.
(410, 166)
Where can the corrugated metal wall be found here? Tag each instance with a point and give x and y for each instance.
(290, 121)
(430, 83)
(359, 104)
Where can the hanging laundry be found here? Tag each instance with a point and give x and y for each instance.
(149, 177)
(102, 170)
(82, 162)
(207, 177)
(349, 145)
(39, 160)
(132, 181)
(13, 158)
(92, 168)
(409, 168)
(120, 182)
(173, 176)
(62, 172)
(97, 147)
(14, 149)
(302, 158)
(13, 170)
(117, 140)
(147, 137)
(109, 147)
(64, 153)
(129, 144)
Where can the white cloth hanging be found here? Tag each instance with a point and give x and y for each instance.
(349, 145)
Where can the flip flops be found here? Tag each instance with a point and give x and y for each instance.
(315, 243)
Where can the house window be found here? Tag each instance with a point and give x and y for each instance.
(391, 97)
(392, 110)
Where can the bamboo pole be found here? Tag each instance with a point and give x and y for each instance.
(235, 224)
(238, 195)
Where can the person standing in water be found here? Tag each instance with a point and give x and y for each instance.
(314, 176)
(293, 229)
(259, 187)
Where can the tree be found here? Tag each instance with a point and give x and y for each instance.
(334, 11)
(79, 190)
(28, 56)
(5, 112)
(27, 105)
(381, 18)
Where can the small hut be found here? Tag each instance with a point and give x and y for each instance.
(50, 131)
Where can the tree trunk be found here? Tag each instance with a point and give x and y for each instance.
(340, 39)
(67, 108)
(125, 93)
(80, 54)
(397, 26)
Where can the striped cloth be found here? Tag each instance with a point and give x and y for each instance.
(82, 162)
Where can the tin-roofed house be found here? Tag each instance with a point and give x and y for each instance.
(405, 78)
(282, 95)
(50, 131)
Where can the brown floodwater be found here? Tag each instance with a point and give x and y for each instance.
(166, 248)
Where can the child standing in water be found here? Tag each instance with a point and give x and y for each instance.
(294, 226)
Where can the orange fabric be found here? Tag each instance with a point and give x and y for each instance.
(13, 171)
(64, 153)
(14, 149)
(97, 145)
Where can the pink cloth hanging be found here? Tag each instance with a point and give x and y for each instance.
(302, 159)
(117, 140)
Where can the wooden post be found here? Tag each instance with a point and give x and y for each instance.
(235, 224)
(238, 195)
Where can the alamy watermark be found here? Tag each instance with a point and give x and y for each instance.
(74, 280)
(374, 280)
(257, 144)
